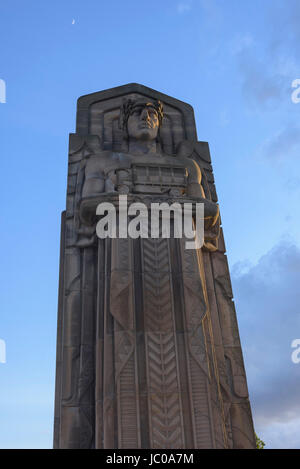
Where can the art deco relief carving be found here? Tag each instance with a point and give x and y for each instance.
(148, 351)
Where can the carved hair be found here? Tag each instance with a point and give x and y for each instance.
(129, 104)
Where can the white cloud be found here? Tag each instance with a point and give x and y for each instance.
(282, 435)
(262, 85)
(269, 62)
(284, 144)
(267, 298)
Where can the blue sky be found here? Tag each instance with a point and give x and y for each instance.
(234, 62)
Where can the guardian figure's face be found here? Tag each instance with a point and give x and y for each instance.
(143, 122)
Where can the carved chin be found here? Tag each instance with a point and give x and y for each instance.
(146, 134)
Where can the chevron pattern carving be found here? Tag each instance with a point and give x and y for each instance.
(165, 413)
(157, 287)
(162, 363)
(165, 405)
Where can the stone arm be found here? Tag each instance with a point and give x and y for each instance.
(96, 182)
(211, 209)
(99, 183)
(195, 190)
(95, 178)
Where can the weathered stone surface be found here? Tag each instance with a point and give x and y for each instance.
(148, 350)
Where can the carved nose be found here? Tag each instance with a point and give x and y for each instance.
(145, 114)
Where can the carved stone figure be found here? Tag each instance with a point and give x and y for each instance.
(148, 351)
